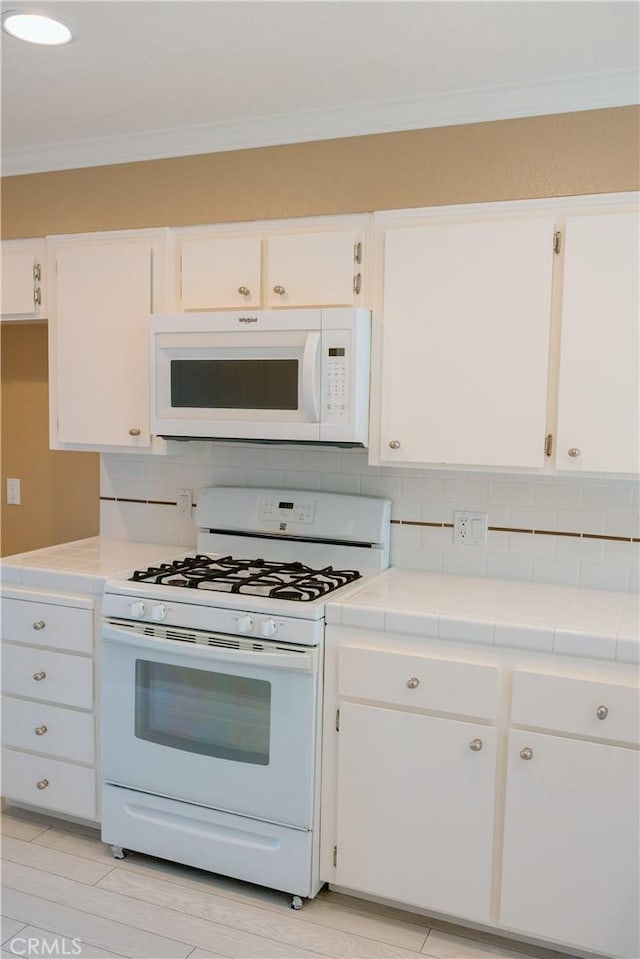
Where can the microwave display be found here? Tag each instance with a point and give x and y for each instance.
(235, 384)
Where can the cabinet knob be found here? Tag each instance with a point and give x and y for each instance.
(39, 675)
(134, 431)
(413, 682)
(574, 451)
(40, 730)
(42, 783)
(475, 745)
(280, 290)
(602, 712)
(39, 624)
(394, 444)
(526, 753)
(244, 290)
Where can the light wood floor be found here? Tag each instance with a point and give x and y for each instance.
(59, 882)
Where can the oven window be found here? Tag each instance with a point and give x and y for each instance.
(213, 714)
(235, 384)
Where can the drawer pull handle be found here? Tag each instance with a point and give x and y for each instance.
(413, 682)
(38, 676)
(135, 431)
(39, 624)
(526, 753)
(244, 290)
(574, 452)
(475, 745)
(602, 712)
(40, 730)
(42, 783)
(280, 290)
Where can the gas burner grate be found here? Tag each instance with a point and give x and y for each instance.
(255, 577)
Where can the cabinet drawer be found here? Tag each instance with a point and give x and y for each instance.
(67, 679)
(442, 686)
(60, 627)
(579, 706)
(50, 730)
(49, 783)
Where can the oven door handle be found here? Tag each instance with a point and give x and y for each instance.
(305, 660)
(311, 377)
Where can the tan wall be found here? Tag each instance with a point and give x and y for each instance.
(577, 153)
(59, 489)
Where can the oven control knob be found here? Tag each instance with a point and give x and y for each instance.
(245, 624)
(159, 612)
(137, 609)
(269, 628)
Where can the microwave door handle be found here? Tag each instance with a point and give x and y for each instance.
(310, 377)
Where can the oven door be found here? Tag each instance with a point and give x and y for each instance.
(214, 379)
(231, 725)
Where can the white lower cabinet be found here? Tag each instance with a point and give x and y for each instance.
(571, 845)
(495, 786)
(48, 705)
(415, 809)
(571, 859)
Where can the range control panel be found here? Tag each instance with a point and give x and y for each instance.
(285, 510)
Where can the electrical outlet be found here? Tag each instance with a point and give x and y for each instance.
(470, 529)
(13, 492)
(184, 502)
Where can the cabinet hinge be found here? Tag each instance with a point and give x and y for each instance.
(337, 720)
(37, 272)
(335, 855)
(37, 296)
(357, 282)
(556, 241)
(548, 444)
(357, 253)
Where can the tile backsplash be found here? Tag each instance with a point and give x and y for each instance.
(553, 529)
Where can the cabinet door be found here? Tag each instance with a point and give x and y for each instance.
(220, 272)
(415, 809)
(312, 269)
(22, 267)
(465, 343)
(570, 870)
(100, 343)
(598, 421)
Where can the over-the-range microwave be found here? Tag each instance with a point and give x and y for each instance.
(262, 375)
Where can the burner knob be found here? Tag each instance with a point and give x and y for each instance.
(137, 609)
(245, 623)
(269, 628)
(159, 612)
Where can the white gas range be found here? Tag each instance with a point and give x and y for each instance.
(212, 683)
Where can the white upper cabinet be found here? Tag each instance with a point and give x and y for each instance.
(316, 262)
(464, 344)
(104, 293)
(23, 279)
(313, 269)
(220, 272)
(508, 336)
(599, 385)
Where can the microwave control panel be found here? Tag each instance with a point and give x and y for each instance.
(336, 376)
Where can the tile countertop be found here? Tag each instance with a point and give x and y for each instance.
(81, 566)
(571, 621)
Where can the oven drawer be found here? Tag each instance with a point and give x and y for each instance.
(399, 679)
(576, 706)
(247, 849)
(47, 624)
(50, 730)
(49, 783)
(43, 675)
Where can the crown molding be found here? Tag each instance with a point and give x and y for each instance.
(613, 89)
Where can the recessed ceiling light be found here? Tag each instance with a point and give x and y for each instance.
(36, 29)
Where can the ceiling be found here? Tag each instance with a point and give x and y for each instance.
(158, 78)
